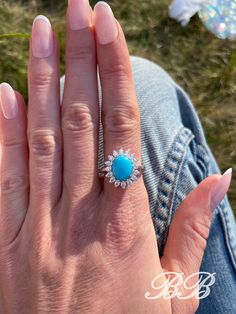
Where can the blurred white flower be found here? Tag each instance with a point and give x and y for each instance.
(183, 10)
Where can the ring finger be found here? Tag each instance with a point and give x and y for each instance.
(120, 112)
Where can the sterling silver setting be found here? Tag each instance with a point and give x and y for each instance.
(135, 174)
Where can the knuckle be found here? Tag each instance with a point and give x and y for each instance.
(12, 183)
(42, 78)
(122, 234)
(198, 232)
(116, 71)
(85, 54)
(76, 118)
(122, 120)
(12, 141)
(120, 242)
(43, 143)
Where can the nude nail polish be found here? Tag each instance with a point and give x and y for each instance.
(105, 23)
(42, 37)
(221, 188)
(79, 14)
(8, 101)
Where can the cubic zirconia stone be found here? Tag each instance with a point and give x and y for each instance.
(123, 185)
(117, 183)
(129, 182)
(112, 180)
(134, 178)
(107, 169)
(109, 174)
(108, 163)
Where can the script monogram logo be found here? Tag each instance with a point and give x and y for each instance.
(167, 285)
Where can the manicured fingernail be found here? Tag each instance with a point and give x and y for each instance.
(8, 101)
(105, 23)
(221, 188)
(79, 14)
(42, 37)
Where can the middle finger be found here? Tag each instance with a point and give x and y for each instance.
(80, 102)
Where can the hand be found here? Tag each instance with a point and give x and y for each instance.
(70, 243)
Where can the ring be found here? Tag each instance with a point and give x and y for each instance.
(122, 168)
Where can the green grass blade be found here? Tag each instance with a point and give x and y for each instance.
(16, 35)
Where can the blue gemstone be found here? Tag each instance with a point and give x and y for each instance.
(122, 168)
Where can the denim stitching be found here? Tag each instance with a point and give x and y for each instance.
(230, 241)
(203, 160)
(166, 190)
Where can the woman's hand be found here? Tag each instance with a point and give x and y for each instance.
(69, 242)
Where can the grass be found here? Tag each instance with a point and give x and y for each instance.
(204, 65)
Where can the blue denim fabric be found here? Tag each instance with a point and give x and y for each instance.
(176, 159)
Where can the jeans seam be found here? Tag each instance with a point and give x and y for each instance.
(168, 182)
(222, 211)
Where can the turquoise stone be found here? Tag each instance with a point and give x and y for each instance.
(122, 168)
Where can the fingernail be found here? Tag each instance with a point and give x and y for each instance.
(105, 23)
(8, 101)
(79, 14)
(42, 37)
(221, 188)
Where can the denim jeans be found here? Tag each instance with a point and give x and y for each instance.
(176, 159)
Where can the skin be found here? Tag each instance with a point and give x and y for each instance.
(70, 242)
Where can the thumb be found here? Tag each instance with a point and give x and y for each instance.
(191, 225)
(190, 228)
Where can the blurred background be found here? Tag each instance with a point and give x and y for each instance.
(201, 63)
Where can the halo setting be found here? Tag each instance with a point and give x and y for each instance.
(122, 168)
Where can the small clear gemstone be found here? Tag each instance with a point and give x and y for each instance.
(129, 182)
(115, 153)
(117, 183)
(134, 178)
(111, 158)
(108, 163)
(136, 166)
(107, 169)
(112, 180)
(121, 151)
(136, 172)
(109, 174)
(123, 185)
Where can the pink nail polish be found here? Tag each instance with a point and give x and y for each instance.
(79, 14)
(221, 188)
(42, 37)
(8, 101)
(105, 23)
